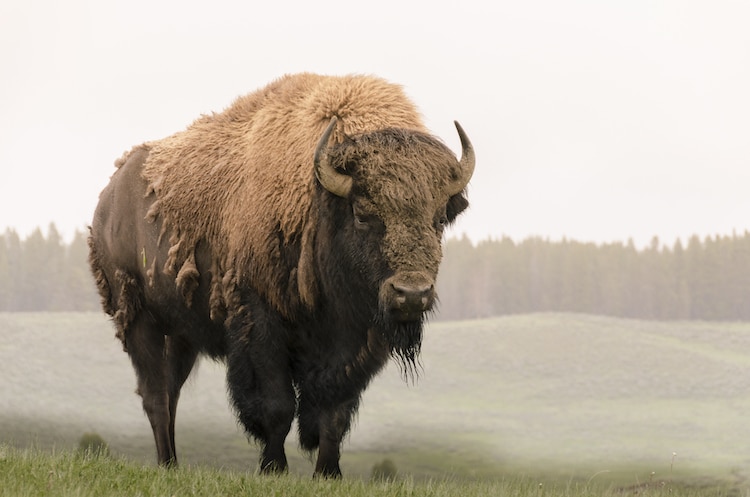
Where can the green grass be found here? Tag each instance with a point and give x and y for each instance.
(33, 473)
(555, 398)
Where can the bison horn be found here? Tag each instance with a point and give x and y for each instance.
(333, 181)
(467, 163)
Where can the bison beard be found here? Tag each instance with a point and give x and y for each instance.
(404, 339)
(247, 239)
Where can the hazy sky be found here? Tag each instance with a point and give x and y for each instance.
(595, 120)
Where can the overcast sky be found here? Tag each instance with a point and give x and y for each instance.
(595, 120)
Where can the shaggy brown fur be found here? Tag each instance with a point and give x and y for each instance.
(237, 176)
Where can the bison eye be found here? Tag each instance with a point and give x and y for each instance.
(361, 222)
(364, 221)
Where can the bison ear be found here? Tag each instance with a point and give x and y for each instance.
(456, 205)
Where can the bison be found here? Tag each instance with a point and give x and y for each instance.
(296, 236)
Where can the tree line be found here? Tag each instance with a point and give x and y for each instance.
(706, 278)
(43, 273)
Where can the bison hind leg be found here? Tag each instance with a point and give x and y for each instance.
(162, 364)
(181, 357)
(146, 348)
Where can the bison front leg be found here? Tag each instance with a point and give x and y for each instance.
(325, 428)
(261, 389)
(329, 450)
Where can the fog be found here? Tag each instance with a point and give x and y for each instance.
(597, 121)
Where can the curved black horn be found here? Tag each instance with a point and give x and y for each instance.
(333, 181)
(468, 161)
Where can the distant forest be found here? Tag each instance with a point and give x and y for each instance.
(708, 278)
(42, 273)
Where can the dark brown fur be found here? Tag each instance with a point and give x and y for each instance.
(219, 240)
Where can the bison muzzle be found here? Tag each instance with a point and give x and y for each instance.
(295, 236)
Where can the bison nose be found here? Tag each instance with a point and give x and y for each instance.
(413, 296)
(408, 295)
(409, 301)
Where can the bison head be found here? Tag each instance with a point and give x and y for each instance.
(396, 190)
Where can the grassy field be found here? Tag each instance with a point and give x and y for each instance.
(32, 473)
(557, 399)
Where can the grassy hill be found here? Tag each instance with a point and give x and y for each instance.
(548, 396)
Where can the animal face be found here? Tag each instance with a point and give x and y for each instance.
(401, 189)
